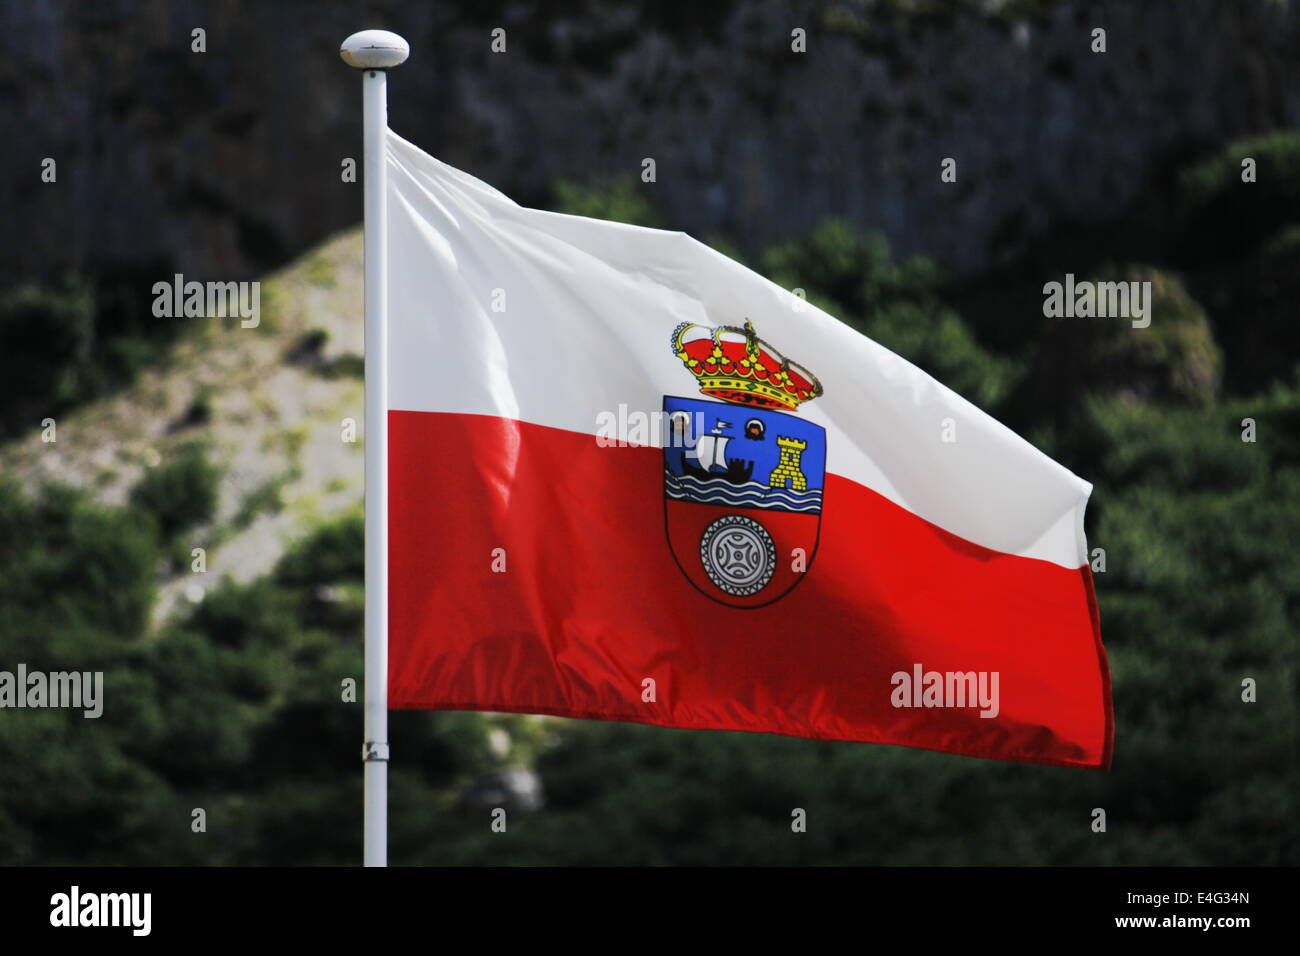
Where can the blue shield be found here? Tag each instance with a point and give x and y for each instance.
(743, 496)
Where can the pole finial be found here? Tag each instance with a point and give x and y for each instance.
(374, 50)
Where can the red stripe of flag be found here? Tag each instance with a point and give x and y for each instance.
(592, 603)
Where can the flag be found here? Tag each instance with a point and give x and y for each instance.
(630, 479)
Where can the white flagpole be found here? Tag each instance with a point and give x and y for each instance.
(374, 52)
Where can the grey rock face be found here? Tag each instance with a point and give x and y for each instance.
(225, 163)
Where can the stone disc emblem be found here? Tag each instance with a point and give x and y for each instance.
(738, 555)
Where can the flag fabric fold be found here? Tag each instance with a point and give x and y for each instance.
(631, 479)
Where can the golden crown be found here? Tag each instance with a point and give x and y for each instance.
(735, 365)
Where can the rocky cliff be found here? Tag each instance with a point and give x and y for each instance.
(225, 163)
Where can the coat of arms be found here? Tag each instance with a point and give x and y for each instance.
(743, 478)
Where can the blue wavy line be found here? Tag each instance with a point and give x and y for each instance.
(750, 492)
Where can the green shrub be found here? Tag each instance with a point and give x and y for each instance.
(71, 574)
(620, 199)
(333, 553)
(897, 303)
(181, 492)
(47, 343)
(65, 341)
(1220, 215)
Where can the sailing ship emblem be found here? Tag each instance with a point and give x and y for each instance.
(743, 479)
